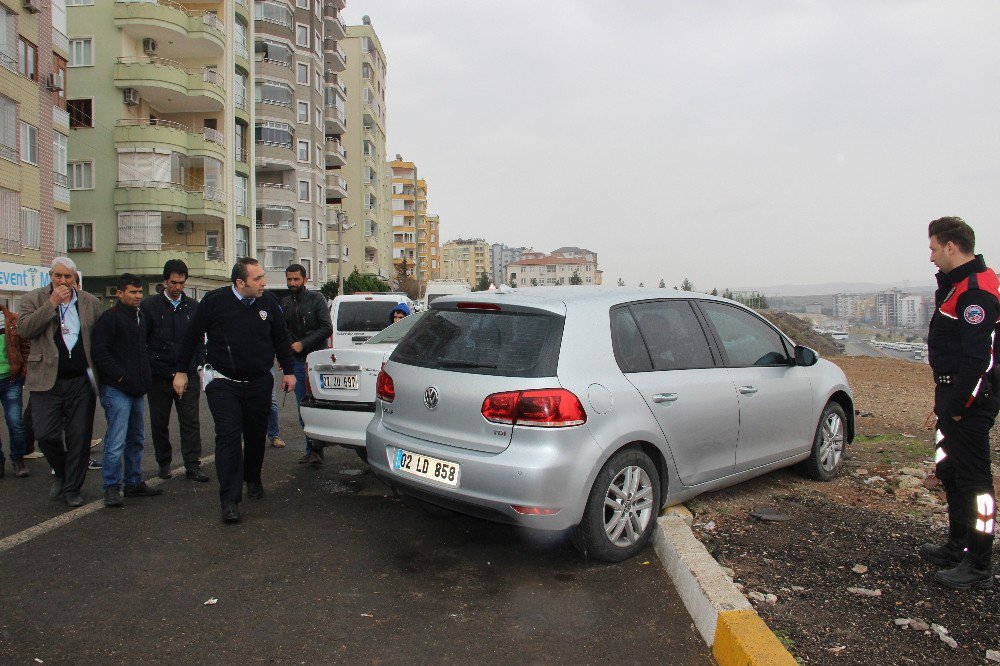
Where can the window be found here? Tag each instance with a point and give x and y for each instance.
(305, 227)
(8, 127)
(273, 12)
(27, 59)
(78, 3)
(59, 231)
(319, 231)
(273, 133)
(31, 229)
(142, 169)
(29, 144)
(317, 80)
(304, 191)
(319, 157)
(306, 264)
(81, 175)
(60, 155)
(240, 184)
(273, 52)
(81, 52)
(302, 35)
(673, 336)
(319, 194)
(242, 241)
(302, 4)
(80, 237)
(318, 43)
(274, 92)
(303, 112)
(278, 258)
(139, 230)
(80, 112)
(8, 39)
(61, 71)
(746, 338)
(319, 118)
(302, 73)
(10, 222)
(302, 153)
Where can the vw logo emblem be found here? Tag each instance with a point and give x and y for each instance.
(431, 397)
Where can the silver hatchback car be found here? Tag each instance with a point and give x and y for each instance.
(590, 408)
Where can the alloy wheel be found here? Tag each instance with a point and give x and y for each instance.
(628, 506)
(832, 447)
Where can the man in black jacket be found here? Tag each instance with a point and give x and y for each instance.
(245, 329)
(307, 316)
(167, 316)
(122, 361)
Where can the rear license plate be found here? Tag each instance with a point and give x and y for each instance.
(426, 467)
(338, 381)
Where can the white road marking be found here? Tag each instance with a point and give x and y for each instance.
(24, 536)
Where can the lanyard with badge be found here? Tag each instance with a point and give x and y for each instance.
(62, 315)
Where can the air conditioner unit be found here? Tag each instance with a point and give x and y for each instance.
(33, 6)
(149, 46)
(184, 226)
(55, 82)
(131, 97)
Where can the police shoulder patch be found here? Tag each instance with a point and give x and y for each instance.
(263, 314)
(974, 314)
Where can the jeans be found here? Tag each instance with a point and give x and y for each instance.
(299, 370)
(272, 416)
(10, 396)
(124, 437)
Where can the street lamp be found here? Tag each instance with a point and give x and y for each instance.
(342, 226)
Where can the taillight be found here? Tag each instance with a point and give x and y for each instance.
(384, 388)
(547, 408)
(309, 388)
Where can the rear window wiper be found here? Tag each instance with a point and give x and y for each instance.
(466, 364)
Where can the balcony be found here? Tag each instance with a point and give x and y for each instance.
(60, 118)
(335, 26)
(179, 137)
(336, 154)
(336, 59)
(336, 186)
(276, 194)
(144, 195)
(336, 120)
(170, 86)
(333, 252)
(60, 43)
(178, 31)
(335, 5)
(60, 189)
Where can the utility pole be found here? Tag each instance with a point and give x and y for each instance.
(341, 221)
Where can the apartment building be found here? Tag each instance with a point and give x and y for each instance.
(358, 192)
(887, 307)
(911, 311)
(34, 129)
(500, 257)
(553, 270)
(415, 238)
(298, 60)
(848, 306)
(465, 259)
(160, 157)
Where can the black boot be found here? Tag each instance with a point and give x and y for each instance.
(947, 555)
(951, 553)
(976, 568)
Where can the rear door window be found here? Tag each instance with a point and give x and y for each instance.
(673, 335)
(484, 342)
(364, 315)
(630, 350)
(747, 339)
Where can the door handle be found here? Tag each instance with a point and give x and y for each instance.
(664, 397)
(747, 390)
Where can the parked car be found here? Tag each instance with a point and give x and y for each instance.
(340, 388)
(357, 317)
(591, 408)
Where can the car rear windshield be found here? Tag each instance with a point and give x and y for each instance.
(395, 333)
(483, 342)
(364, 315)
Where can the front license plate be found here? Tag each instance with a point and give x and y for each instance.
(426, 467)
(338, 381)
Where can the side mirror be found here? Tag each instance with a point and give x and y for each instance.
(805, 356)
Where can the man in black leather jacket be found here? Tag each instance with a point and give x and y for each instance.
(307, 316)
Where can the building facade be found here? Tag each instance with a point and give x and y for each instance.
(465, 259)
(34, 130)
(911, 311)
(848, 306)
(360, 189)
(160, 157)
(298, 58)
(887, 307)
(553, 270)
(500, 257)
(415, 237)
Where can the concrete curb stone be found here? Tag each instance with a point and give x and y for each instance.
(725, 619)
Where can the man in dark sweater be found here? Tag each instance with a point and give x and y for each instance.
(245, 329)
(119, 351)
(167, 316)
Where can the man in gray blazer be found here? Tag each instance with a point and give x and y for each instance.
(58, 320)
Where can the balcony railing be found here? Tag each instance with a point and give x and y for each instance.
(60, 117)
(215, 136)
(209, 18)
(242, 51)
(241, 154)
(242, 3)
(209, 75)
(60, 179)
(240, 101)
(60, 41)
(209, 193)
(153, 122)
(8, 152)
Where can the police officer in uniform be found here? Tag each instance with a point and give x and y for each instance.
(963, 352)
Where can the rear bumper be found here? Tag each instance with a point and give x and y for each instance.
(548, 469)
(336, 423)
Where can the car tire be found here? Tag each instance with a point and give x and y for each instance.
(829, 445)
(629, 480)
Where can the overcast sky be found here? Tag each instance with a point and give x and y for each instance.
(734, 143)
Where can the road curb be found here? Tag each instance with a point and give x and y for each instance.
(725, 619)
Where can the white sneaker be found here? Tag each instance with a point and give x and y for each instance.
(34, 455)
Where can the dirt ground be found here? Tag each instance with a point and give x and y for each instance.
(841, 574)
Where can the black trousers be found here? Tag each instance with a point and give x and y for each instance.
(240, 411)
(161, 399)
(63, 421)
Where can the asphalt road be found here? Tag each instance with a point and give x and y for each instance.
(328, 568)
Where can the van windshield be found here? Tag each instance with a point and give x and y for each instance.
(396, 331)
(484, 342)
(367, 316)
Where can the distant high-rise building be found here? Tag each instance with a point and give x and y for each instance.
(465, 259)
(848, 306)
(414, 241)
(911, 311)
(887, 307)
(500, 257)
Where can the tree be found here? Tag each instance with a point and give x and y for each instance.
(483, 283)
(575, 277)
(356, 282)
(513, 281)
(715, 292)
(621, 282)
(534, 282)
(727, 294)
(406, 282)
(641, 285)
(687, 285)
(663, 285)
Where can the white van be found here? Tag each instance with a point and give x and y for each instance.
(357, 317)
(438, 288)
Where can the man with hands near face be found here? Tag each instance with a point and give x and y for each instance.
(246, 330)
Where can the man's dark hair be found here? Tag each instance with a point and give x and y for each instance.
(956, 230)
(128, 280)
(296, 268)
(240, 268)
(174, 266)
